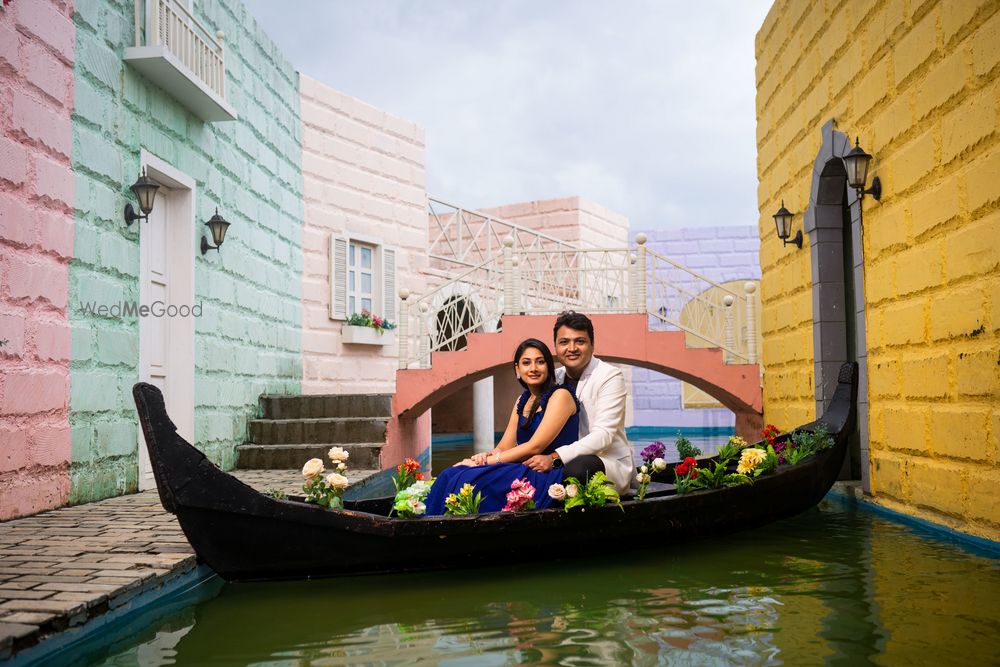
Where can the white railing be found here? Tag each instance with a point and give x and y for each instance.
(169, 23)
(601, 280)
(461, 238)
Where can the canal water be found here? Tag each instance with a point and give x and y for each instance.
(835, 585)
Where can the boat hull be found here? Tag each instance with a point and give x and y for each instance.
(245, 535)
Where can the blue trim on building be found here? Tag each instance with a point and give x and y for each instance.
(647, 432)
(980, 546)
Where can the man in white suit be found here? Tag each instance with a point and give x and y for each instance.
(600, 388)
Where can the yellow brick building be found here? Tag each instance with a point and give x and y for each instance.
(910, 282)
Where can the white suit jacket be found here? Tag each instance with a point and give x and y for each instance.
(601, 392)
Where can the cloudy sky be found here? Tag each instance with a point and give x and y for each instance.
(644, 106)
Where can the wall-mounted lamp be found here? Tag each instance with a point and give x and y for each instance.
(856, 162)
(218, 227)
(145, 191)
(783, 221)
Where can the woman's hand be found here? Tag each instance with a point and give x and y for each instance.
(479, 459)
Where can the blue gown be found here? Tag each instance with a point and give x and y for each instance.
(494, 480)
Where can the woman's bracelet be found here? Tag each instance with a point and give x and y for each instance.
(497, 454)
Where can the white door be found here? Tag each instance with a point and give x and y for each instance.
(166, 278)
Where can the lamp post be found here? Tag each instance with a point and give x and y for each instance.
(856, 162)
(145, 191)
(783, 222)
(218, 227)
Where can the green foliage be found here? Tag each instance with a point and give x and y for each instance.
(597, 492)
(805, 443)
(320, 493)
(769, 463)
(275, 493)
(367, 319)
(464, 502)
(710, 478)
(731, 449)
(685, 448)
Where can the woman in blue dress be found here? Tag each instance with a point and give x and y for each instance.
(546, 416)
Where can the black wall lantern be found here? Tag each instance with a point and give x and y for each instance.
(856, 162)
(218, 226)
(783, 221)
(145, 191)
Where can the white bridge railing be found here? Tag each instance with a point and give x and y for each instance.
(171, 24)
(530, 281)
(462, 239)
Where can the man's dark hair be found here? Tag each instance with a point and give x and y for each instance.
(575, 321)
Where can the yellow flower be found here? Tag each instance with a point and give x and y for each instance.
(750, 459)
(466, 490)
(737, 441)
(452, 500)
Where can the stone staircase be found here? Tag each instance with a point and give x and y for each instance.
(294, 429)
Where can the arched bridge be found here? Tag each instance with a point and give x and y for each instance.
(620, 338)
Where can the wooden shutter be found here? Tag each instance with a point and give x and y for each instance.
(338, 278)
(389, 284)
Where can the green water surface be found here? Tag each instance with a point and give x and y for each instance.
(836, 585)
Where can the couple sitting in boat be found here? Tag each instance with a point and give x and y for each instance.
(567, 423)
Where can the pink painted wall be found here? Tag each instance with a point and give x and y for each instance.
(571, 219)
(37, 40)
(364, 176)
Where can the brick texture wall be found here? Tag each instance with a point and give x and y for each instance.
(248, 339)
(36, 244)
(721, 254)
(919, 82)
(364, 176)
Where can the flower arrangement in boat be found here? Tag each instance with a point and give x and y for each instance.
(652, 462)
(409, 502)
(326, 491)
(804, 444)
(367, 319)
(407, 473)
(684, 447)
(732, 448)
(685, 474)
(463, 502)
(597, 492)
(521, 496)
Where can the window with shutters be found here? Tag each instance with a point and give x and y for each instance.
(362, 277)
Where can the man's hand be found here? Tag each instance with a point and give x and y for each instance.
(540, 462)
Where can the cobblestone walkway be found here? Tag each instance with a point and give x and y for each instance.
(60, 568)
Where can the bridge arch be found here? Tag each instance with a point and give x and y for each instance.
(624, 339)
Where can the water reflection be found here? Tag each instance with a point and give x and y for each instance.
(832, 586)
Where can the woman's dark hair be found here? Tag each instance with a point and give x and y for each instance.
(550, 379)
(575, 321)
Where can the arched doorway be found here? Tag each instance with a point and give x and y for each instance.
(833, 222)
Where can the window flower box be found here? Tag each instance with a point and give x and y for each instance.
(356, 335)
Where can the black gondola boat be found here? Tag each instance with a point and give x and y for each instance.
(246, 535)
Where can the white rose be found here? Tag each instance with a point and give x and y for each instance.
(659, 465)
(642, 478)
(312, 468)
(337, 481)
(417, 507)
(643, 469)
(341, 466)
(338, 454)
(571, 491)
(557, 492)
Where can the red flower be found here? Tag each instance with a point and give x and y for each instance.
(694, 473)
(681, 470)
(691, 461)
(420, 476)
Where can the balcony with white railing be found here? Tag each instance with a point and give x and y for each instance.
(177, 53)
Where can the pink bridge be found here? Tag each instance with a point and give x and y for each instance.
(624, 339)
